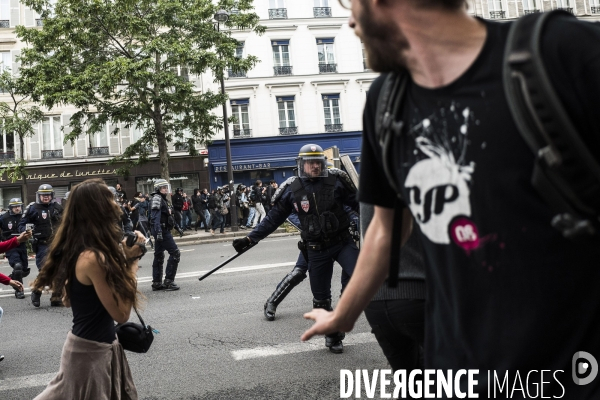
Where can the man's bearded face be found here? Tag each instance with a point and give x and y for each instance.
(312, 168)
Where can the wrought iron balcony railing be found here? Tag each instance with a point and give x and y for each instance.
(327, 68)
(567, 9)
(182, 147)
(5, 23)
(291, 130)
(8, 155)
(322, 12)
(532, 11)
(236, 74)
(52, 154)
(39, 22)
(149, 148)
(497, 14)
(282, 70)
(242, 133)
(595, 9)
(334, 128)
(278, 13)
(98, 151)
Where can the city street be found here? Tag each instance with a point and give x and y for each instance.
(214, 342)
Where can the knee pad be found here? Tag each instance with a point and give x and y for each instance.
(26, 272)
(18, 267)
(176, 255)
(159, 258)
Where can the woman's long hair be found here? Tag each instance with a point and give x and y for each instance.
(90, 221)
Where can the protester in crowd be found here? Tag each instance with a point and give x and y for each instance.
(242, 203)
(177, 201)
(198, 205)
(271, 188)
(205, 195)
(258, 195)
(96, 271)
(134, 210)
(226, 206)
(142, 204)
(186, 213)
(501, 280)
(121, 192)
(215, 204)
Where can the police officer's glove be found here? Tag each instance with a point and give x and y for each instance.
(241, 244)
(159, 237)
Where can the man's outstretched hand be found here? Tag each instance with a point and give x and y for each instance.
(325, 323)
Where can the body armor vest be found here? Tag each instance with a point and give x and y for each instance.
(9, 225)
(166, 214)
(44, 224)
(322, 218)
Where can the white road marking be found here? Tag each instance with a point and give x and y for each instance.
(22, 382)
(298, 347)
(187, 275)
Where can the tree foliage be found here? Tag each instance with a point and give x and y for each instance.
(120, 61)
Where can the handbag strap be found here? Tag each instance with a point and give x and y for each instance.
(140, 317)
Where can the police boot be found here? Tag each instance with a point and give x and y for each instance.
(17, 275)
(35, 298)
(290, 281)
(332, 341)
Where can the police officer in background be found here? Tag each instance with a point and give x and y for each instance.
(45, 216)
(126, 222)
(17, 257)
(319, 198)
(161, 223)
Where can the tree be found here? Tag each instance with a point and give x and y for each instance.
(126, 62)
(19, 117)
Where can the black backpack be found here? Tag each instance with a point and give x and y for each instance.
(566, 174)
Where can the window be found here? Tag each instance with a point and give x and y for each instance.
(321, 3)
(277, 9)
(239, 110)
(7, 146)
(51, 133)
(322, 9)
(276, 3)
(496, 11)
(6, 61)
(529, 5)
(364, 56)
(326, 57)
(99, 143)
(239, 50)
(563, 4)
(182, 72)
(331, 109)
(8, 193)
(281, 57)
(595, 7)
(287, 117)
(4, 13)
(239, 53)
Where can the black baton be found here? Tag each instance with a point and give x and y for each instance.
(230, 259)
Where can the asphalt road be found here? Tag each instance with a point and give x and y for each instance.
(214, 342)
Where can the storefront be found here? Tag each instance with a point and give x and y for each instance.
(273, 157)
(186, 172)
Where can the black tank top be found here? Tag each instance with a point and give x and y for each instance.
(91, 321)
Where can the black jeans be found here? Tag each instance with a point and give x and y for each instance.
(399, 327)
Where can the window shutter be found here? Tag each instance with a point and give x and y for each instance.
(34, 144)
(14, 13)
(125, 137)
(81, 145)
(68, 150)
(113, 141)
(15, 64)
(29, 17)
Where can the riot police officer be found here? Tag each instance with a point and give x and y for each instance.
(161, 223)
(318, 196)
(17, 258)
(45, 216)
(126, 222)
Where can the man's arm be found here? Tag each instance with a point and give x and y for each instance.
(274, 218)
(371, 270)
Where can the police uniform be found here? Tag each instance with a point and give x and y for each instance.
(17, 257)
(46, 218)
(319, 203)
(161, 222)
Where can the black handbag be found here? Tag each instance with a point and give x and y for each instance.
(135, 337)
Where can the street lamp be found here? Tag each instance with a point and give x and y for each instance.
(221, 17)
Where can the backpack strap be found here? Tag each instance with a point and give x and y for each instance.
(565, 173)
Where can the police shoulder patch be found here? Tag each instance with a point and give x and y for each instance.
(156, 202)
(344, 177)
(281, 189)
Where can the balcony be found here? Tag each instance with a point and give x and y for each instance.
(334, 128)
(322, 12)
(291, 130)
(497, 14)
(6, 156)
(242, 133)
(567, 9)
(97, 151)
(149, 148)
(327, 68)
(595, 9)
(39, 22)
(5, 23)
(532, 11)
(236, 74)
(182, 147)
(49, 154)
(278, 13)
(282, 70)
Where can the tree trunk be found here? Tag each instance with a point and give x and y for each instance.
(24, 177)
(163, 151)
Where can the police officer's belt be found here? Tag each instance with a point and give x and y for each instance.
(326, 243)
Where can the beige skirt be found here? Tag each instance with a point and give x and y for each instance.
(91, 370)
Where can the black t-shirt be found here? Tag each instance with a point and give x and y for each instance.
(505, 291)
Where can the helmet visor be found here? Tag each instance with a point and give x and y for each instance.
(312, 167)
(159, 188)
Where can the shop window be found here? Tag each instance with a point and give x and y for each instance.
(8, 193)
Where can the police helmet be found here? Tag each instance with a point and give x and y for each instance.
(161, 183)
(15, 202)
(312, 162)
(44, 189)
(114, 193)
(330, 165)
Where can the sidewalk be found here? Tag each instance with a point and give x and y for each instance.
(201, 237)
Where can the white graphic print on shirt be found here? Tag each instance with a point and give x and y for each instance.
(438, 183)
